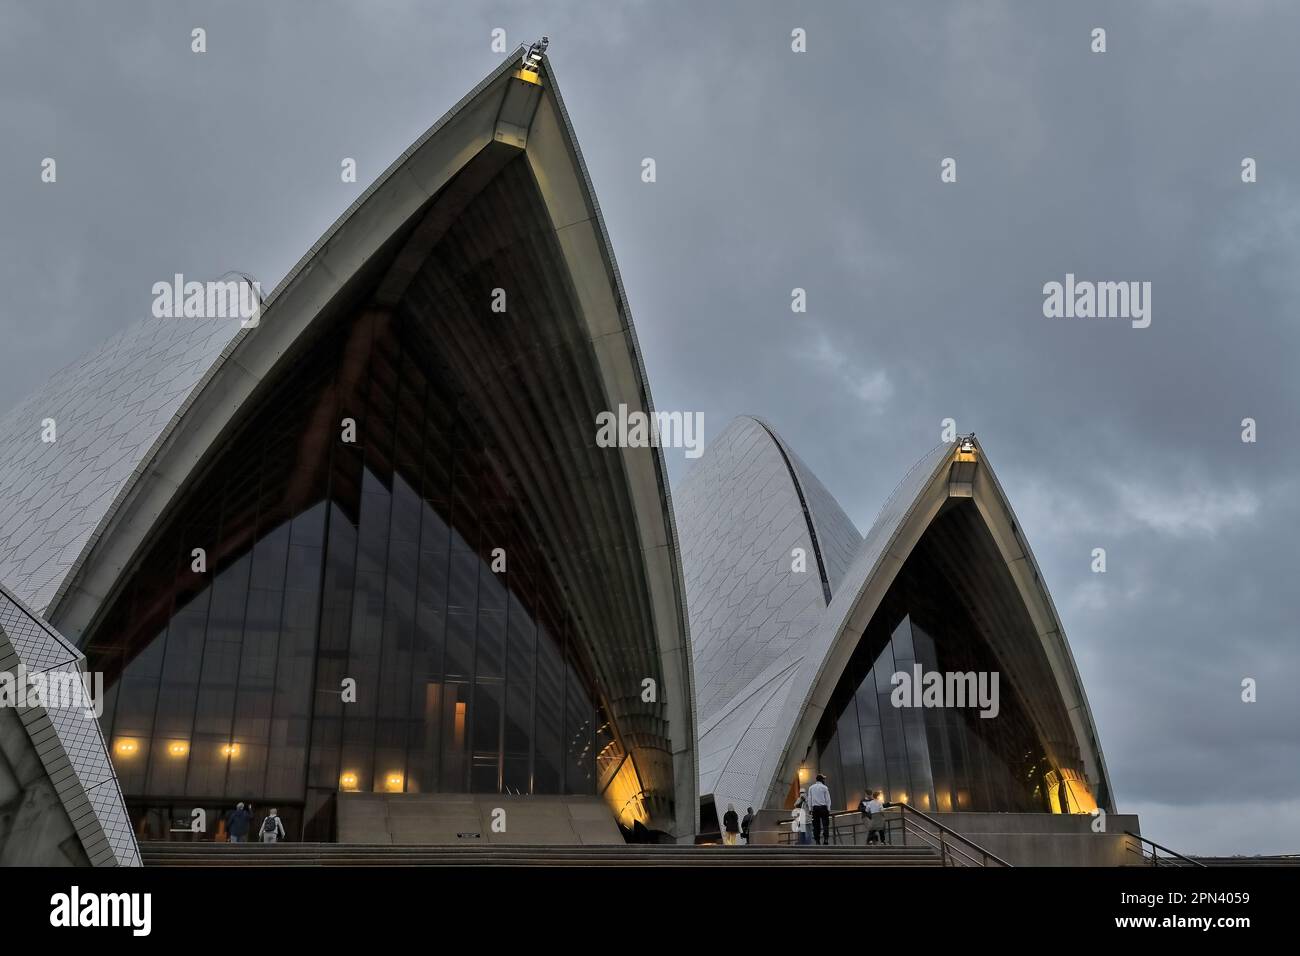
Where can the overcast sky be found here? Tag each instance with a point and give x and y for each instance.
(817, 170)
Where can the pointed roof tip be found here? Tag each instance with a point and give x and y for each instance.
(534, 54)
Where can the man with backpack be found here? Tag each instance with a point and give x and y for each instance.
(272, 829)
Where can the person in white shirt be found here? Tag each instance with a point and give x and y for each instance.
(819, 800)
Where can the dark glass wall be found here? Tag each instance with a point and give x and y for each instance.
(370, 566)
(941, 758)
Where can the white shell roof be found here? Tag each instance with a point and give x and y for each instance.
(807, 661)
(760, 632)
(838, 539)
(744, 509)
(109, 409)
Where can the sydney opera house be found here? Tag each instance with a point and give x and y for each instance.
(370, 545)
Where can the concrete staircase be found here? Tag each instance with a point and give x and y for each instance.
(633, 855)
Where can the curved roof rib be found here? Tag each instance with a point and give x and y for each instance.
(835, 537)
(376, 248)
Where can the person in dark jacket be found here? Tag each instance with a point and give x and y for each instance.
(238, 821)
(746, 822)
(730, 825)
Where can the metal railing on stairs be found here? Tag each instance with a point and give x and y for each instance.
(1138, 844)
(903, 825)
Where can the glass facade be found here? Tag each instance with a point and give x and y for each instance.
(943, 758)
(384, 602)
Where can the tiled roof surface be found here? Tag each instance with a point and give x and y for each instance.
(740, 517)
(108, 410)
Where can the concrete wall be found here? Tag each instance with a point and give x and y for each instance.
(450, 818)
(1047, 839)
(1022, 839)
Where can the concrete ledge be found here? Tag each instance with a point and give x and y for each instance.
(430, 819)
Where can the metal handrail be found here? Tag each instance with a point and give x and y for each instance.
(1155, 851)
(954, 848)
(945, 831)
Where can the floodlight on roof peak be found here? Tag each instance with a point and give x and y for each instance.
(532, 61)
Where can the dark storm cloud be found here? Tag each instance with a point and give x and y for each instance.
(818, 171)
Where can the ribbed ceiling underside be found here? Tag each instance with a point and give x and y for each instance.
(957, 543)
(530, 376)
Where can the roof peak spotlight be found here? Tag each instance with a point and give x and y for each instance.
(532, 58)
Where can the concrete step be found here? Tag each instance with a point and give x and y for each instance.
(326, 854)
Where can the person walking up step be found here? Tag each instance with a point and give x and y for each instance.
(730, 825)
(819, 799)
(272, 829)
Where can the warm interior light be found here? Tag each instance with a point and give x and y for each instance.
(230, 750)
(394, 782)
(803, 774)
(1068, 792)
(178, 748)
(626, 796)
(126, 747)
(458, 726)
(348, 781)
